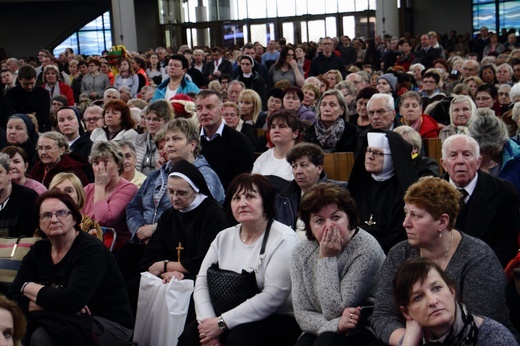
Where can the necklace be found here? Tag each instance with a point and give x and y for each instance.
(445, 253)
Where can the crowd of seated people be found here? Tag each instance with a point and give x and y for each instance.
(221, 152)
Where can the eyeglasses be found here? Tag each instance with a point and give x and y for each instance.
(93, 119)
(379, 112)
(376, 153)
(60, 215)
(180, 193)
(485, 98)
(46, 148)
(429, 82)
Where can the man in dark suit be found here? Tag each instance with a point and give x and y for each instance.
(228, 151)
(427, 54)
(490, 205)
(327, 60)
(220, 66)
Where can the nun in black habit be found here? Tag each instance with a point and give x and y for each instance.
(382, 173)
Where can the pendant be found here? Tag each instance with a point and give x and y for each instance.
(370, 221)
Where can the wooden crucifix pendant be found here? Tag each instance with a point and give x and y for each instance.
(179, 249)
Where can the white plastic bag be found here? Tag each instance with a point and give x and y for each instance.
(161, 310)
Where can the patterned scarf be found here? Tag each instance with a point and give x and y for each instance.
(328, 137)
(464, 331)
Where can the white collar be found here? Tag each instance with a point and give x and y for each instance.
(217, 133)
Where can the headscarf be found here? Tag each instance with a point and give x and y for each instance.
(31, 129)
(185, 170)
(379, 140)
(78, 116)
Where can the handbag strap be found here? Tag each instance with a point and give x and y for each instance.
(264, 242)
(266, 235)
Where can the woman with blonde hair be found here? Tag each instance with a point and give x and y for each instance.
(473, 82)
(69, 184)
(333, 77)
(250, 106)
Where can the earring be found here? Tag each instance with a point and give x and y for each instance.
(440, 235)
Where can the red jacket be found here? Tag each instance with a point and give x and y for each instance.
(66, 91)
(429, 127)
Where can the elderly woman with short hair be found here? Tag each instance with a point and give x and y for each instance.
(106, 199)
(462, 114)
(130, 172)
(332, 131)
(55, 157)
(412, 114)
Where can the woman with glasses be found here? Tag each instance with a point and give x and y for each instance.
(69, 285)
(487, 97)
(55, 157)
(158, 114)
(286, 67)
(380, 176)
(93, 118)
(94, 83)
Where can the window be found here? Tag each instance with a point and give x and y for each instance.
(485, 14)
(91, 39)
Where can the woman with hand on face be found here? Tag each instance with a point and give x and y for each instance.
(431, 206)
(412, 115)
(106, 199)
(426, 297)
(18, 167)
(56, 157)
(69, 184)
(118, 123)
(265, 318)
(127, 77)
(462, 114)
(334, 272)
(286, 67)
(20, 131)
(331, 131)
(68, 284)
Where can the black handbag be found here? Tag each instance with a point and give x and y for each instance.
(228, 289)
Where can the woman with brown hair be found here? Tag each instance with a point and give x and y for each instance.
(119, 124)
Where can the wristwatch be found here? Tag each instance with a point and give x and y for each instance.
(165, 266)
(221, 324)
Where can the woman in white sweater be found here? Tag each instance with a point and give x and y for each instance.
(266, 317)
